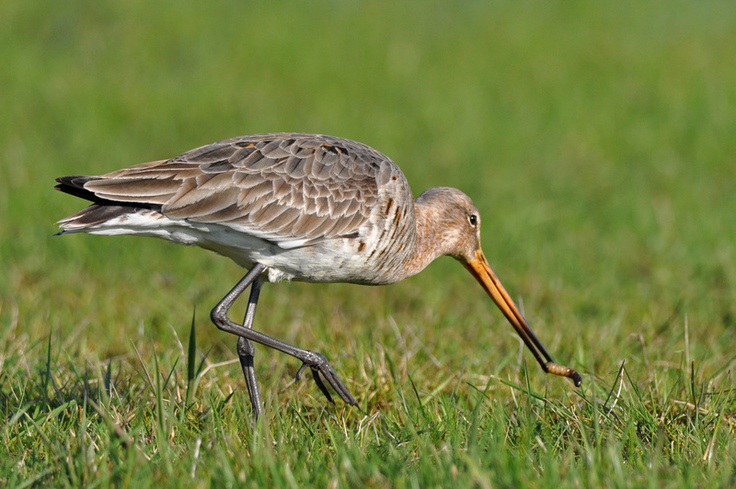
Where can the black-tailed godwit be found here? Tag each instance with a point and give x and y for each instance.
(302, 207)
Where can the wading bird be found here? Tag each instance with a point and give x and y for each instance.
(304, 207)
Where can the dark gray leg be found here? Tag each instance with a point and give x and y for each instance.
(314, 360)
(246, 349)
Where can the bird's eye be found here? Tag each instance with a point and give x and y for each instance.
(473, 220)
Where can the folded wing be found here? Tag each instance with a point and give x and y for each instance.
(291, 189)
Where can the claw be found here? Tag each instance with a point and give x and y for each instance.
(321, 385)
(299, 372)
(321, 366)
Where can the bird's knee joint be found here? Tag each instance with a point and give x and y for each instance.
(218, 318)
(246, 348)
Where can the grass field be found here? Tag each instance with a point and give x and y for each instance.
(599, 142)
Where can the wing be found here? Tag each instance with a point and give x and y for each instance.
(292, 189)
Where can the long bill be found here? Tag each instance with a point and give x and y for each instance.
(482, 271)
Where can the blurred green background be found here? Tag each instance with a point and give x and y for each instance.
(597, 139)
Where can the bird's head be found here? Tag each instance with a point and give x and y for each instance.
(456, 225)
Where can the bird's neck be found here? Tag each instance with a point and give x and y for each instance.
(428, 239)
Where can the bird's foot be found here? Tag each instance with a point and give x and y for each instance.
(320, 367)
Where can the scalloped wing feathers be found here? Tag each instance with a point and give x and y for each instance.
(292, 189)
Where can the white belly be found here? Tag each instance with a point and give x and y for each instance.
(328, 261)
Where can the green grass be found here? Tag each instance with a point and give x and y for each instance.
(597, 140)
